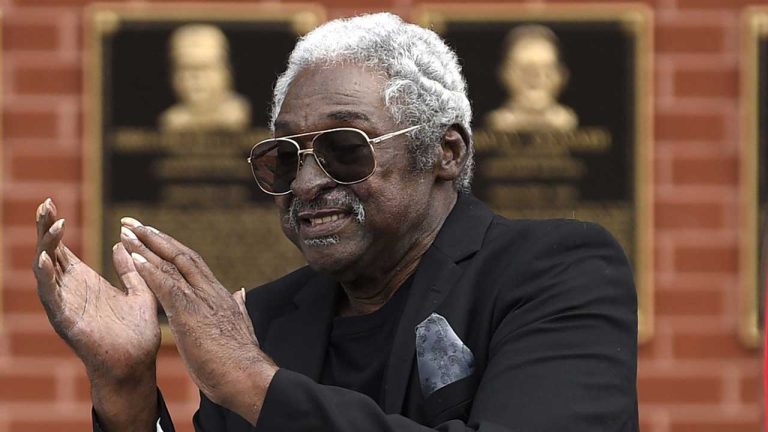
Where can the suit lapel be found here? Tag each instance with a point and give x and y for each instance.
(298, 340)
(460, 236)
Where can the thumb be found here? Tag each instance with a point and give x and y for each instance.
(239, 297)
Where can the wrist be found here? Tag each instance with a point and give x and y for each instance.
(126, 404)
(252, 390)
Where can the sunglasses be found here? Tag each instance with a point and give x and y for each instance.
(344, 154)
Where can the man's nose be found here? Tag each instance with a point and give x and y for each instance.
(310, 179)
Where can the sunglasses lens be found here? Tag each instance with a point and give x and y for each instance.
(274, 165)
(345, 155)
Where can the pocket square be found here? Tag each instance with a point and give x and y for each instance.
(442, 358)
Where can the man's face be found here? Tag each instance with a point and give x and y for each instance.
(200, 76)
(394, 199)
(533, 74)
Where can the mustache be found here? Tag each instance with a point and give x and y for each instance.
(345, 200)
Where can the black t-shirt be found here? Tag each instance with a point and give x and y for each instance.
(359, 347)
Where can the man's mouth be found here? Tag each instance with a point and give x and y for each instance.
(322, 222)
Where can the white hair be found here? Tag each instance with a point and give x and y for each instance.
(425, 85)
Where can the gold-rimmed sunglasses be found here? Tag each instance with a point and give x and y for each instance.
(345, 155)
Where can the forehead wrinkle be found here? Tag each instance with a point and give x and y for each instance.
(280, 124)
(341, 115)
(347, 115)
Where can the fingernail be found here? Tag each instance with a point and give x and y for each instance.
(138, 258)
(40, 212)
(43, 257)
(242, 291)
(115, 246)
(130, 222)
(125, 232)
(56, 228)
(153, 229)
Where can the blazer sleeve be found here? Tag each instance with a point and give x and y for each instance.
(562, 357)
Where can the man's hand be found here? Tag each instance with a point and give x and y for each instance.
(114, 331)
(212, 329)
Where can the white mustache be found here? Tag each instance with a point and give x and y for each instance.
(346, 201)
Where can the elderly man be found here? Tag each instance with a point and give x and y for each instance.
(420, 309)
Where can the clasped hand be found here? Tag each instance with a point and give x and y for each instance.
(211, 327)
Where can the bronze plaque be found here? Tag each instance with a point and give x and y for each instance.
(561, 98)
(754, 175)
(177, 96)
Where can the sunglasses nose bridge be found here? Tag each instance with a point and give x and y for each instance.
(311, 177)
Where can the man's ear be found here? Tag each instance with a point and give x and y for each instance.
(454, 151)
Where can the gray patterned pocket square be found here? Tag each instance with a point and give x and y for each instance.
(441, 356)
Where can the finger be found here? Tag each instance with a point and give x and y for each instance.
(126, 271)
(133, 245)
(45, 216)
(169, 287)
(65, 257)
(51, 239)
(164, 245)
(40, 218)
(189, 263)
(44, 270)
(46, 281)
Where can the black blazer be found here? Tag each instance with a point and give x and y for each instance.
(548, 309)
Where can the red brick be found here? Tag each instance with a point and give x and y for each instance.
(22, 256)
(31, 425)
(22, 301)
(689, 303)
(716, 426)
(29, 124)
(384, 4)
(38, 344)
(29, 37)
(675, 389)
(46, 168)
(720, 83)
(712, 346)
(26, 388)
(706, 259)
(750, 389)
(59, 3)
(646, 424)
(689, 39)
(609, 2)
(689, 215)
(463, 3)
(705, 171)
(20, 211)
(48, 80)
(648, 350)
(734, 5)
(689, 127)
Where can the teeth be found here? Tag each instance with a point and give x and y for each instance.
(322, 220)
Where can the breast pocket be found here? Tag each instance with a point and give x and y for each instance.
(451, 402)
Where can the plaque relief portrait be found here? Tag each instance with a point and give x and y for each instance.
(754, 175)
(562, 116)
(201, 76)
(533, 75)
(178, 97)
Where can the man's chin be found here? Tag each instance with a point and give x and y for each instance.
(326, 254)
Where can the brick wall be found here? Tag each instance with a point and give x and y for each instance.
(693, 376)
